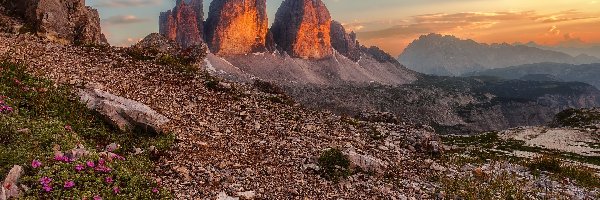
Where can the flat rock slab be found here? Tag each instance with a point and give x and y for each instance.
(124, 114)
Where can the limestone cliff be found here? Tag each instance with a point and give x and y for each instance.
(237, 26)
(184, 23)
(302, 29)
(64, 21)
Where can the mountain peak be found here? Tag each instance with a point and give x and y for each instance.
(302, 29)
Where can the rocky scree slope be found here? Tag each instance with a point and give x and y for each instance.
(248, 141)
(455, 105)
(450, 56)
(233, 138)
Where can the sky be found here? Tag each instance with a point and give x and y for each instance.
(393, 24)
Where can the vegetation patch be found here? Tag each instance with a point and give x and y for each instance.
(334, 165)
(577, 118)
(582, 175)
(39, 118)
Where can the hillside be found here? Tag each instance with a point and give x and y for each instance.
(455, 105)
(91, 121)
(450, 56)
(588, 73)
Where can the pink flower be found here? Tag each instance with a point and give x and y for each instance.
(68, 128)
(60, 158)
(47, 188)
(116, 190)
(109, 180)
(97, 197)
(155, 190)
(69, 184)
(79, 167)
(101, 161)
(90, 164)
(102, 168)
(45, 180)
(36, 163)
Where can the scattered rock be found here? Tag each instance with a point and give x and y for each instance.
(246, 194)
(365, 162)
(224, 196)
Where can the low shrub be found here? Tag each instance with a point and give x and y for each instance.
(334, 165)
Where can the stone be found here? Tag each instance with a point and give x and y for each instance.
(246, 194)
(224, 196)
(437, 167)
(184, 23)
(122, 113)
(236, 27)
(365, 162)
(343, 42)
(63, 21)
(10, 188)
(302, 29)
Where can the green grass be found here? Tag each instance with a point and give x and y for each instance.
(582, 175)
(45, 116)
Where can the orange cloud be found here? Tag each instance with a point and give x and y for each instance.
(492, 27)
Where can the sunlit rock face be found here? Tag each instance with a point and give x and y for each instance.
(184, 23)
(302, 29)
(343, 42)
(237, 26)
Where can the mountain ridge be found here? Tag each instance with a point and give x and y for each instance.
(448, 55)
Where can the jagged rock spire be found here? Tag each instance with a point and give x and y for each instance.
(302, 29)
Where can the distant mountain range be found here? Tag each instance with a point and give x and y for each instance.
(588, 73)
(573, 50)
(450, 56)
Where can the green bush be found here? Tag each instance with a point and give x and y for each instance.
(334, 165)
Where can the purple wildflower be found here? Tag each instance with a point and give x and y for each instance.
(109, 180)
(36, 163)
(102, 168)
(90, 164)
(47, 188)
(97, 197)
(116, 190)
(69, 184)
(155, 190)
(101, 161)
(79, 167)
(45, 180)
(60, 158)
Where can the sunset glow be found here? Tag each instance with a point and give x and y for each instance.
(393, 24)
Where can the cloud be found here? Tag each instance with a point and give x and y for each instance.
(123, 19)
(126, 3)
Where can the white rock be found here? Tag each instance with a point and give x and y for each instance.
(224, 196)
(247, 194)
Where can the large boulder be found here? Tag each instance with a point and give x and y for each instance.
(64, 21)
(343, 42)
(184, 23)
(122, 113)
(302, 29)
(237, 27)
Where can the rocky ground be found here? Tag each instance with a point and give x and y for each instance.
(244, 141)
